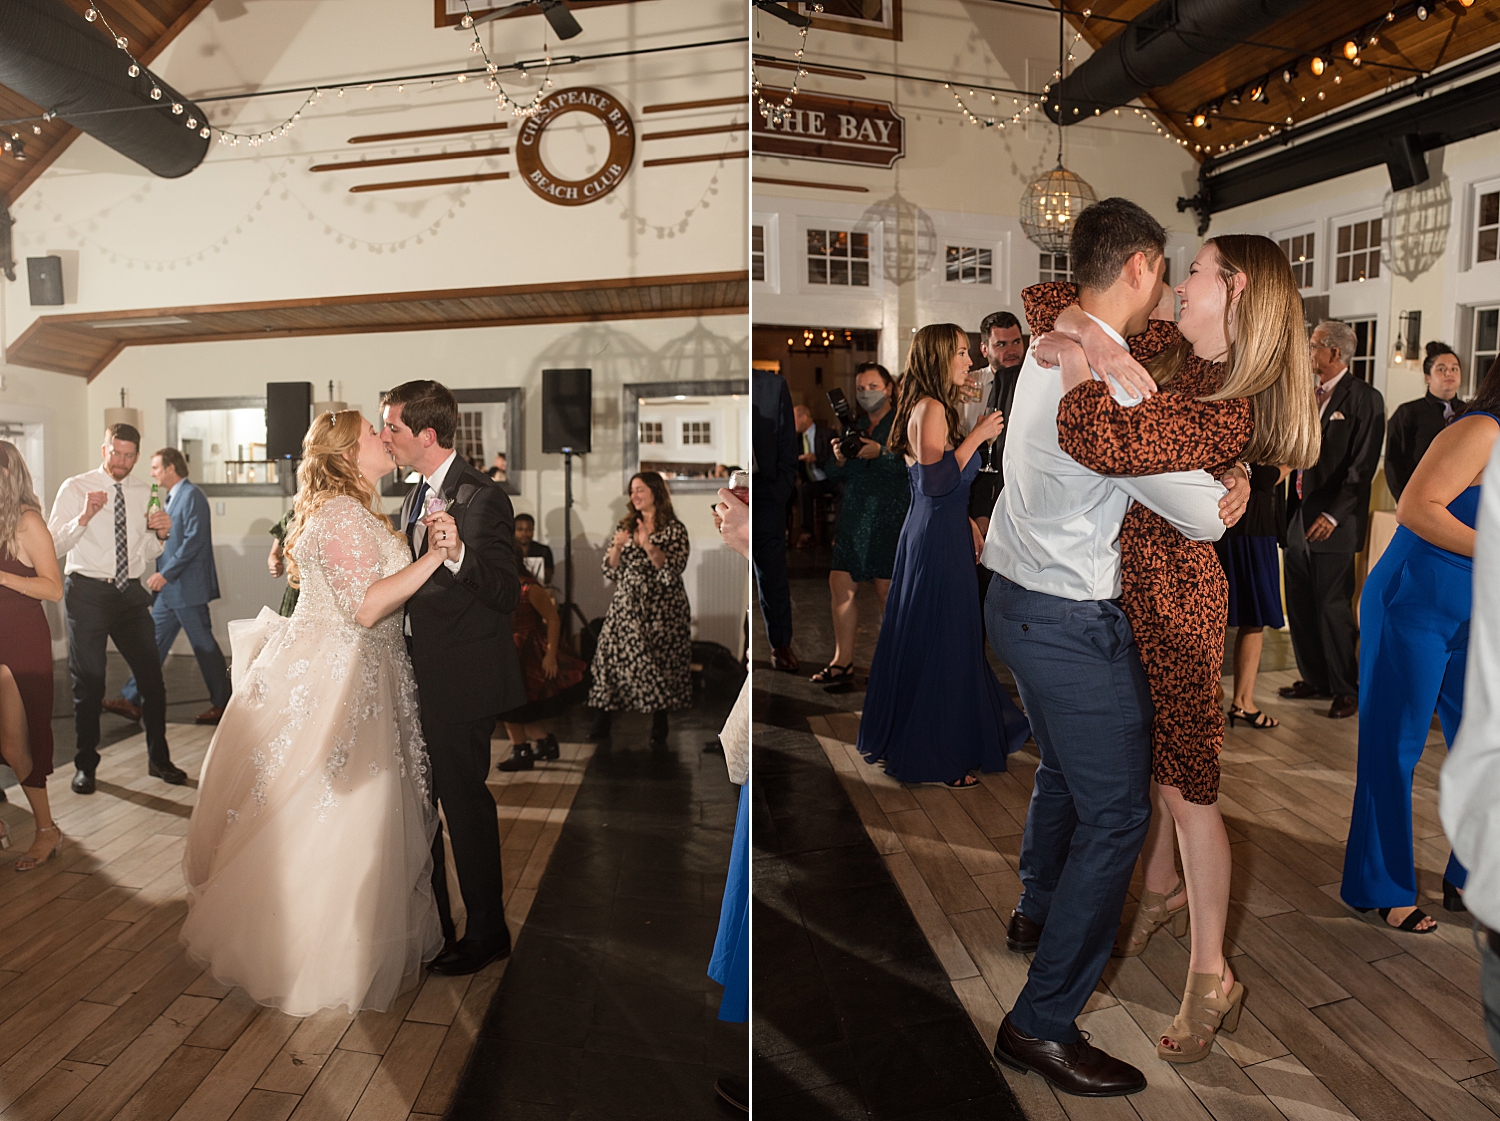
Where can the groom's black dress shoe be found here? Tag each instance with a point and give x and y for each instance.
(1301, 690)
(1074, 1068)
(175, 776)
(1022, 935)
(83, 783)
(466, 957)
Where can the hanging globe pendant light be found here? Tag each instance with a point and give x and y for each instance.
(1049, 206)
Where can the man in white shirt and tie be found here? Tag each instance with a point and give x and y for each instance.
(1051, 615)
(99, 523)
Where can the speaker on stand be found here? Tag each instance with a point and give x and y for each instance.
(567, 428)
(288, 414)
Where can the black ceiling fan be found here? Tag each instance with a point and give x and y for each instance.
(562, 21)
(796, 19)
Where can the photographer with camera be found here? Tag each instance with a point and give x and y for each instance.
(876, 495)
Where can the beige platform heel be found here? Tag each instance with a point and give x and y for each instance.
(1151, 914)
(1206, 1010)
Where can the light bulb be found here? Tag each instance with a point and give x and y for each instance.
(1317, 66)
(134, 71)
(468, 20)
(91, 15)
(155, 94)
(204, 132)
(176, 108)
(1351, 49)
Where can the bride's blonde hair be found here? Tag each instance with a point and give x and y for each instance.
(329, 470)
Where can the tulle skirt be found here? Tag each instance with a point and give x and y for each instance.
(308, 859)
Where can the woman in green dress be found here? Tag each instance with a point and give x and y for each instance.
(876, 495)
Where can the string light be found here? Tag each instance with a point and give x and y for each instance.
(503, 100)
(776, 114)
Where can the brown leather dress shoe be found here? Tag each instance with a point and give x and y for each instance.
(1078, 1068)
(1301, 690)
(1022, 935)
(784, 660)
(209, 716)
(1343, 706)
(121, 707)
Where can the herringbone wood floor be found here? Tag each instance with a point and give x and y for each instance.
(1343, 1018)
(102, 1017)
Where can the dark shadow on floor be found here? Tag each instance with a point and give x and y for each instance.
(605, 1010)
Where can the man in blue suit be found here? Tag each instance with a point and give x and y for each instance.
(185, 581)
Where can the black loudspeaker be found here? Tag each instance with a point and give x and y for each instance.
(567, 410)
(1405, 162)
(45, 275)
(288, 413)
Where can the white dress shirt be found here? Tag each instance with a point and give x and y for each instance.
(1056, 525)
(435, 486)
(1469, 801)
(809, 441)
(90, 549)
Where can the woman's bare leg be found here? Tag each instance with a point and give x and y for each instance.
(1206, 866)
(516, 733)
(15, 744)
(47, 834)
(882, 589)
(841, 588)
(1158, 854)
(1248, 642)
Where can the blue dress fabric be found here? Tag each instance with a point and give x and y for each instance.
(1248, 553)
(1414, 626)
(934, 710)
(730, 964)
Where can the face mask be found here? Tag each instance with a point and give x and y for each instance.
(870, 399)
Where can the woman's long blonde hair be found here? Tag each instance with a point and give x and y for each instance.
(17, 494)
(928, 373)
(1267, 360)
(328, 470)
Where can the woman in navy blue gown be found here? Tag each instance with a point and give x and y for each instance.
(1414, 627)
(934, 711)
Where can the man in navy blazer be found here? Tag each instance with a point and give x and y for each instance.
(185, 581)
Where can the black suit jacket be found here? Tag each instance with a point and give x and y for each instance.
(773, 436)
(1339, 484)
(462, 651)
(1413, 427)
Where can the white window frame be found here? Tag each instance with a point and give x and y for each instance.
(1334, 225)
(1038, 257)
(975, 246)
(771, 224)
(1474, 370)
(1373, 358)
(838, 225)
(1470, 240)
(1319, 263)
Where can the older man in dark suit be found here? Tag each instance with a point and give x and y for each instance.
(1328, 513)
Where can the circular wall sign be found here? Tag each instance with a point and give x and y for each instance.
(576, 192)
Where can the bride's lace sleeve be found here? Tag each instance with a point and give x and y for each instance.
(349, 541)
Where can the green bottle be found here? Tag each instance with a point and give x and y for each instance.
(153, 504)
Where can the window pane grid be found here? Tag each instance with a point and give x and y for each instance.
(966, 265)
(1362, 364)
(1054, 266)
(838, 257)
(651, 432)
(1358, 255)
(757, 252)
(1299, 251)
(1487, 246)
(697, 432)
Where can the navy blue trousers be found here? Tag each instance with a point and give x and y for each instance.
(768, 554)
(1090, 709)
(200, 631)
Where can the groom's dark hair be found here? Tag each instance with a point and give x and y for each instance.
(426, 404)
(1108, 234)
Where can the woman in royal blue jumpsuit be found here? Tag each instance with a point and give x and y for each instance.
(1414, 623)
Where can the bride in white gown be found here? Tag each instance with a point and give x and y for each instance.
(308, 860)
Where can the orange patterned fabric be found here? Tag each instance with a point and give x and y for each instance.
(1173, 590)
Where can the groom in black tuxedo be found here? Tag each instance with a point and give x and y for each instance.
(463, 656)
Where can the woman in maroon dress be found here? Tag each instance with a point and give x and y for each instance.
(554, 677)
(28, 575)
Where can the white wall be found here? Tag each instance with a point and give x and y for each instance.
(256, 224)
(957, 184)
(1447, 286)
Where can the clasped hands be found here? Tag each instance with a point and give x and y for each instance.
(442, 536)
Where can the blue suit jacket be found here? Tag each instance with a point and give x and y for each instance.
(187, 560)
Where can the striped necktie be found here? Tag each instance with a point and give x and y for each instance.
(122, 545)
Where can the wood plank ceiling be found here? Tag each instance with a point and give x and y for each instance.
(148, 25)
(1405, 48)
(85, 344)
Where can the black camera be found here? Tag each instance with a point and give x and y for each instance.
(850, 436)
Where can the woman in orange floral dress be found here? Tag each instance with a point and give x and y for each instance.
(1236, 383)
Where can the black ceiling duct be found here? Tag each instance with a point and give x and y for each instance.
(1160, 45)
(53, 57)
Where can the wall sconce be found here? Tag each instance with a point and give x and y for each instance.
(1408, 337)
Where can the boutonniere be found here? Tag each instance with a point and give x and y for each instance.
(437, 504)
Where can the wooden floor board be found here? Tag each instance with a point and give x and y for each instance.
(104, 1017)
(1343, 1018)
